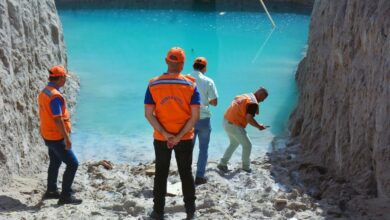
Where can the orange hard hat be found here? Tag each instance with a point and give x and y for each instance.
(57, 70)
(201, 60)
(176, 55)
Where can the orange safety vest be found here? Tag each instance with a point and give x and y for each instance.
(236, 113)
(49, 130)
(172, 95)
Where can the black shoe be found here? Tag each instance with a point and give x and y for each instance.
(190, 216)
(51, 195)
(223, 168)
(69, 200)
(200, 180)
(248, 170)
(157, 216)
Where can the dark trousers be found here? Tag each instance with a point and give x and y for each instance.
(183, 154)
(57, 155)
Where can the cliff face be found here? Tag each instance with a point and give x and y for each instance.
(342, 118)
(31, 41)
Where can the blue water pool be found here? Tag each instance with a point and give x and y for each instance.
(116, 52)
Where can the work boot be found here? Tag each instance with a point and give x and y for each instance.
(190, 216)
(156, 216)
(223, 168)
(69, 200)
(51, 195)
(200, 181)
(248, 170)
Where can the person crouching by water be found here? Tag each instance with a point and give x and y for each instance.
(241, 111)
(55, 130)
(172, 105)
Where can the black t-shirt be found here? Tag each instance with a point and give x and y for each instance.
(252, 109)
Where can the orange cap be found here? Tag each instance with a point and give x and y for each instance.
(57, 70)
(176, 55)
(201, 60)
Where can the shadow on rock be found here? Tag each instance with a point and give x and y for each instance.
(299, 176)
(9, 204)
(228, 175)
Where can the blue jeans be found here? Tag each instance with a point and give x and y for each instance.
(202, 130)
(57, 155)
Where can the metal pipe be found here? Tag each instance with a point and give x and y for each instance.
(266, 11)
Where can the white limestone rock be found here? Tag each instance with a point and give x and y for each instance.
(343, 115)
(31, 40)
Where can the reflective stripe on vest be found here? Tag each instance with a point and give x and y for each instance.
(172, 95)
(47, 92)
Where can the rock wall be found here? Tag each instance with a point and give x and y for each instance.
(342, 118)
(31, 40)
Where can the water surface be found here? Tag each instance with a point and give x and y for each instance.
(116, 52)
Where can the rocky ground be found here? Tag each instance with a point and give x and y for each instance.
(278, 188)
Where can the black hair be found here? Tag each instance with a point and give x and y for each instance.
(198, 66)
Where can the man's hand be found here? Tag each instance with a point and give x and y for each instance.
(68, 143)
(61, 127)
(213, 102)
(149, 114)
(174, 140)
(170, 143)
(195, 112)
(169, 137)
(262, 127)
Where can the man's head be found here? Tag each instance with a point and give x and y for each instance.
(200, 64)
(175, 60)
(57, 75)
(261, 94)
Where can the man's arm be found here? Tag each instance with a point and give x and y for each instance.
(251, 111)
(213, 94)
(61, 127)
(195, 112)
(214, 102)
(251, 120)
(149, 115)
(56, 110)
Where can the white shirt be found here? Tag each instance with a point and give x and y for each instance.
(207, 90)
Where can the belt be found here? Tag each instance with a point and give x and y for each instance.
(229, 122)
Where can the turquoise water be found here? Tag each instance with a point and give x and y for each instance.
(116, 52)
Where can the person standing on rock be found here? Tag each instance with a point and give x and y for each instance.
(209, 96)
(172, 105)
(241, 111)
(55, 126)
